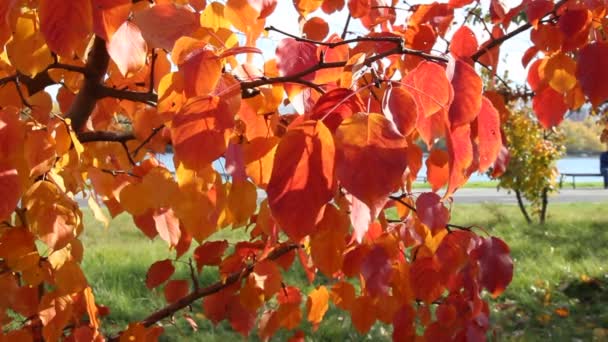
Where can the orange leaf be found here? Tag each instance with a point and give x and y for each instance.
(163, 24)
(10, 190)
(128, 48)
(202, 71)
(363, 314)
(201, 122)
(27, 51)
(399, 106)
(66, 25)
(425, 279)
(176, 289)
(69, 278)
(490, 138)
(592, 66)
(316, 28)
(303, 165)
(371, 158)
(159, 272)
(327, 245)
(437, 168)
(317, 305)
(429, 85)
(343, 295)
(108, 16)
(467, 94)
(559, 72)
(464, 43)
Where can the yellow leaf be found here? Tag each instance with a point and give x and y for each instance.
(28, 51)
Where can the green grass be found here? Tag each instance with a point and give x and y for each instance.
(559, 265)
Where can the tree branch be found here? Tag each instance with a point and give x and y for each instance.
(184, 302)
(84, 103)
(147, 98)
(120, 137)
(496, 42)
(398, 50)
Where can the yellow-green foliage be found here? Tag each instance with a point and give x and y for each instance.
(534, 152)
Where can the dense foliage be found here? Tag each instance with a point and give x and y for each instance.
(532, 161)
(314, 183)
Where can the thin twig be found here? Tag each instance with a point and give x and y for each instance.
(155, 130)
(234, 277)
(345, 30)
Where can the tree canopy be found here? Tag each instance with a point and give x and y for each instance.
(317, 147)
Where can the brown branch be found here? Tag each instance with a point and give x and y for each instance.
(345, 30)
(147, 97)
(186, 301)
(84, 103)
(87, 137)
(496, 42)
(331, 45)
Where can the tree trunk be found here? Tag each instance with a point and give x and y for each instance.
(545, 203)
(520, 202)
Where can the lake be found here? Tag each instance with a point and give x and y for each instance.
(565, 165)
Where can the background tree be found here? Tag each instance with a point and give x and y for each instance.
(137, 76)
(532, 156)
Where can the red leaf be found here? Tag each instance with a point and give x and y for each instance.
(460, 151)
(109, 15)
(467, 94)
(403, 324)
(167, 225)
(550, 107)
(495, 265)
(399, 106)
(372, 157)
(537, 9)
(425, 278)
(294, 57)
(302, 179)
(592, 70)
(128, 48)
(209, 253)
(464, 43)
(159, 272)
(376, 270)
(432, 127)
(176, 289)
(488, 132)
(162, 24)
(432, 212)
(429, 85)
(337, 105)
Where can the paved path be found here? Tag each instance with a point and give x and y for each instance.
(502, 196)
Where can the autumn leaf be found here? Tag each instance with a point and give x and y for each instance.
(317, 305)
(495, 265)
(371, 140)
(432, 212)
(302, 179)
(159, 272)
(128, 48)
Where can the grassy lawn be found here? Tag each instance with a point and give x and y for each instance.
(559, 292)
